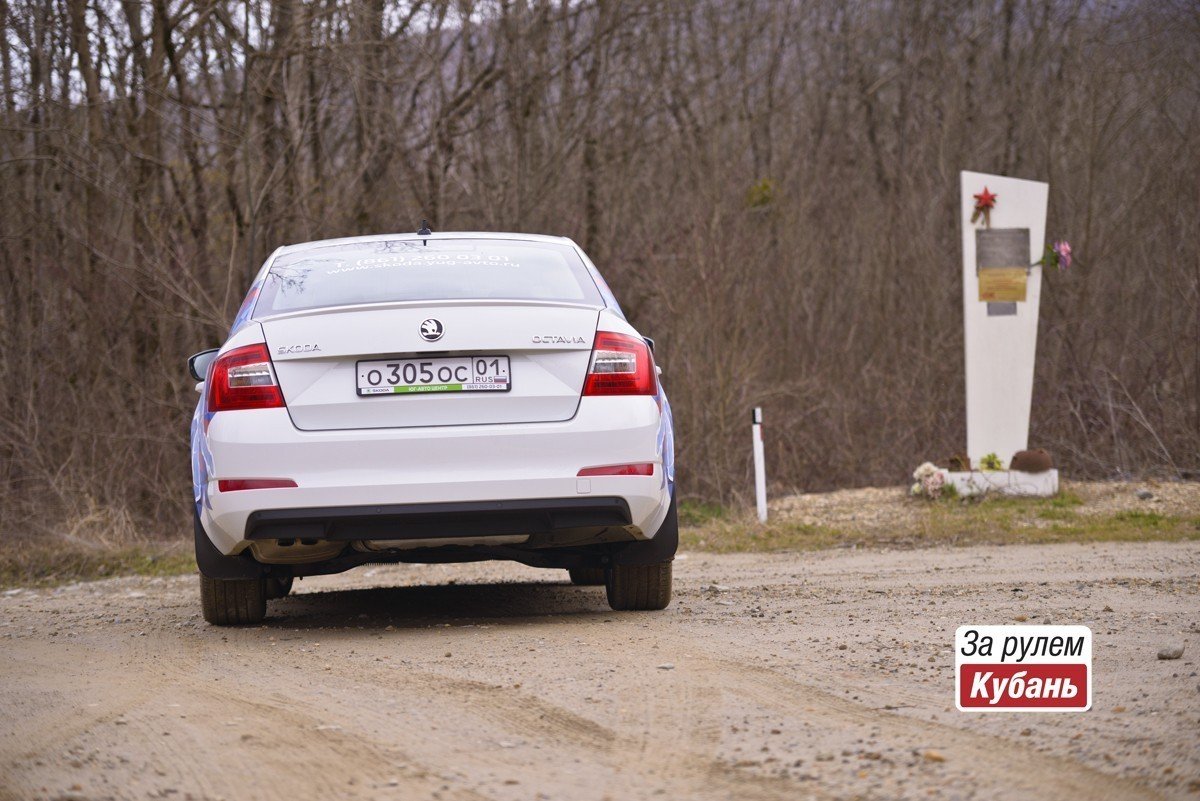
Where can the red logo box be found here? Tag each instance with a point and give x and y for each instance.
(991, 686)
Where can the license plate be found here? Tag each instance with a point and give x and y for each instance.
(445, 374)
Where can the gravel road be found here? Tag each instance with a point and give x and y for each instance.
(826, 675)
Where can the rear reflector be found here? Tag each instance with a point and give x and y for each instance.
(236, 484)
(621, 365)
(243, 379)
(638, 469)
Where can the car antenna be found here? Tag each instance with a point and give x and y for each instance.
(424, 231)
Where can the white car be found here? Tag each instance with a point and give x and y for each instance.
(430, 397)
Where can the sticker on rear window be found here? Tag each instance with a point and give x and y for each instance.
(424, 260)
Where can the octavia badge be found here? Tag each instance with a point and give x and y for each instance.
(432, 330)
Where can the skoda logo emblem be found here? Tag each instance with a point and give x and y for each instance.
(432, 330)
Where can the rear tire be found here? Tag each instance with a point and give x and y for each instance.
(639, 587)
(233, 602)
(587, 576)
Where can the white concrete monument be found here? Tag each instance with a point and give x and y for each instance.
(1003, 233)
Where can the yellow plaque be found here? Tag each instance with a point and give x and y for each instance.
(1000, 284)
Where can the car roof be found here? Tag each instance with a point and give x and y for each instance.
(363, 240)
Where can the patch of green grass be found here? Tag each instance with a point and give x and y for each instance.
(1062, 500)
(992, 521)
(28, 564)
(698, 513)
(1121, 527)
(737, 534)
(1001, 502)
(1139, 518)
(1056, 514)
(1058, 519)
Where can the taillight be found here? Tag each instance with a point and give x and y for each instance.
(635, 469)
(243, 379)
(239, 484)
(621, 365)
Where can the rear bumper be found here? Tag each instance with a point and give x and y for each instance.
(567, 534)
(425, 521)
(403, 469)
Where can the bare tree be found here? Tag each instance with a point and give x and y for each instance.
(769, 184)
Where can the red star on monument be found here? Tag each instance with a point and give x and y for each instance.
(985, 201)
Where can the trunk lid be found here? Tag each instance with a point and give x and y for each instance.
(316, 355)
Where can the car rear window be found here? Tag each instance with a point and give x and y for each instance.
(415, 269)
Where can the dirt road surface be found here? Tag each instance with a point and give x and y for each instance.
(789, 676)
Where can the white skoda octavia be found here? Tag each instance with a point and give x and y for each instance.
(430, 398)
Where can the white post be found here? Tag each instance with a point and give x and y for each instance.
(760, 468)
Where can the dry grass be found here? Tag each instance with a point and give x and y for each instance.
(48, 564)
(101, 544)
(96, 542)
(1083, 512)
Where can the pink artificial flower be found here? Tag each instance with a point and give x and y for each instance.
(1062, 249)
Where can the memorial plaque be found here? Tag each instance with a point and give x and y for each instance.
(1002, 264)
(1002, 247)
(1002, 284)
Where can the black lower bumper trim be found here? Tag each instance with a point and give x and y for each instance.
(420, 521)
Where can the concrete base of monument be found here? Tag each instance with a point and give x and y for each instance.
(1004, 482)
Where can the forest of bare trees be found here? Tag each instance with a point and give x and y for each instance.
(771, 187)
